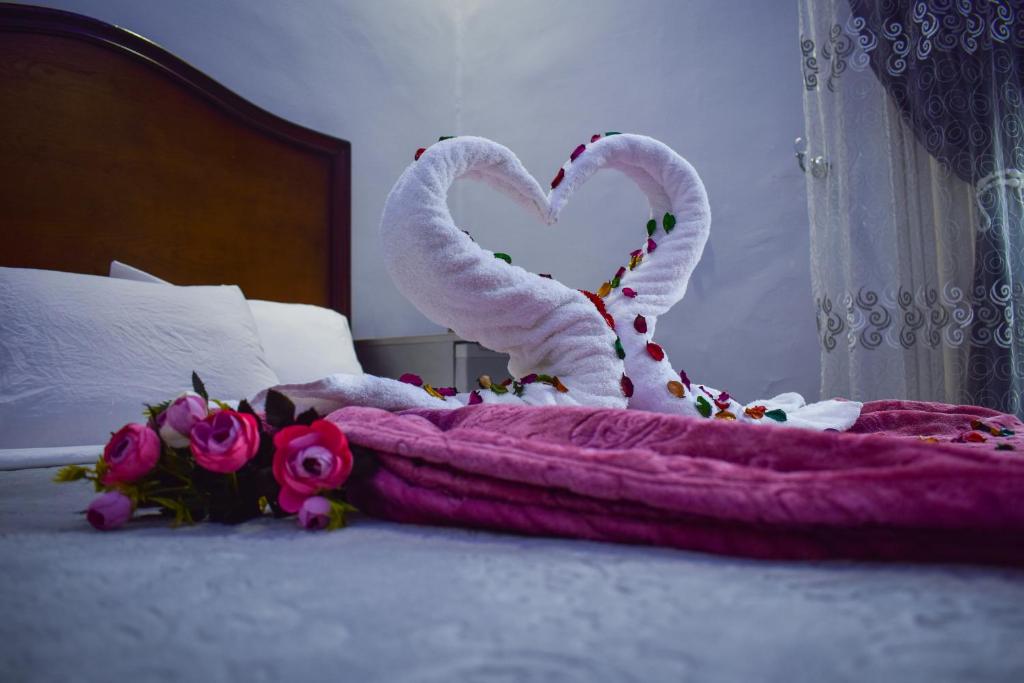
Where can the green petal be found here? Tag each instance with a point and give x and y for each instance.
(619, 351)
(503, 256)
(652, 225)
(703, 407)
(669, 221)
(778, 415)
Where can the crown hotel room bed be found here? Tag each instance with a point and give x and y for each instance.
(114, 149)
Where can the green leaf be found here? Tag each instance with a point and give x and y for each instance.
(71, 473)
(307, 417)
(182, 515)
(503, 256)
(778, 415)
(245, 407)
(199, 387)
(153, 411)
(338, 514)
(280, 409)
(619, 351)
(652, 226)
(669, 221)
(703, 407)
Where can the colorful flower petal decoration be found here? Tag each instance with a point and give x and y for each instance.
(629, 292)
(626, 385)
(676, 388)
(558, 178)
(722, 402)
(703, 407)
(755, 412)
(503, 256)
(668, 222)
(640, 324)
(655, 351)
(410, 378)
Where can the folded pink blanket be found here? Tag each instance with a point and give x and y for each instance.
(910, 481)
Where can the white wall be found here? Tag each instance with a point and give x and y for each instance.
(718, 81)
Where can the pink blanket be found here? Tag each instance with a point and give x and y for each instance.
(910, 481)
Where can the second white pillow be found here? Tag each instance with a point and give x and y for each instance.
(302, 343)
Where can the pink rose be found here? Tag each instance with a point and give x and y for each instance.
(130, 453)
(109, 510)
(315, 513)
(308, 460)
(176, 422)
(225, 440)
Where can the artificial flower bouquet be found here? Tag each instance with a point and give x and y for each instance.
(199, 459)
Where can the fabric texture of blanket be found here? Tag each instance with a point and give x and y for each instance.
(909, 481)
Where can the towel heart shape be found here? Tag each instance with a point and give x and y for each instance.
(596, 344)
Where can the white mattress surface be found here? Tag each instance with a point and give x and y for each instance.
(385, 602)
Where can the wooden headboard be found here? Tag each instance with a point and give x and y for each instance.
(112, 148)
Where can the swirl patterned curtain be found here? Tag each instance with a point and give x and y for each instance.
(915, 128)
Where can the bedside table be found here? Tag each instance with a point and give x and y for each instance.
(442, 360)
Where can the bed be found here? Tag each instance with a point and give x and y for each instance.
(169, 150)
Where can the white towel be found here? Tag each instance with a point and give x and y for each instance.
(545, 327)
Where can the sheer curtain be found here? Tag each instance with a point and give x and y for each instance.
(915, 157)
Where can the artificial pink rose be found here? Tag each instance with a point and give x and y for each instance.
(176, 421)
(308, 460)
(130, 453)
(225, 440)
(109, 510)
(315, 513)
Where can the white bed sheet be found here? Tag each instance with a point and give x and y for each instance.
(385, 602)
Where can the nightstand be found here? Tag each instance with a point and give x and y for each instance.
(442, 360)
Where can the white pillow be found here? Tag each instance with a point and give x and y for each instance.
(302, 343)
(80, 355)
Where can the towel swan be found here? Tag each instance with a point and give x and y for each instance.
(565, 347)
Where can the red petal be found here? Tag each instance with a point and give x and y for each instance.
(657, 353)
(640, 324)
(576, 152)
(629, 292)
(558, 178)
(419, 153)
(627, 386)
(595, 137)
